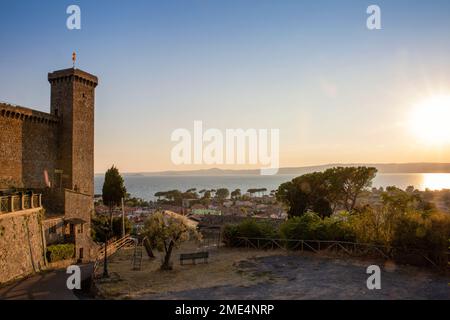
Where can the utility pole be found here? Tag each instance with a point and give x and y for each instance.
(123, 219)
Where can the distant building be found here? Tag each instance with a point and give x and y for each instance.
(241, 203)
(204, 212)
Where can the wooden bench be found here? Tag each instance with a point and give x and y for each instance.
(194, 256)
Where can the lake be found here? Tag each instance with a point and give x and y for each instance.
(146, 186)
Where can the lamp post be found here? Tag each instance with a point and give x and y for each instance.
(105, 259)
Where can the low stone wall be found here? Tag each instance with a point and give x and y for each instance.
(61, 264)
(21, 244)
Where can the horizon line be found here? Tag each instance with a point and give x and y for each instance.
(281, 168)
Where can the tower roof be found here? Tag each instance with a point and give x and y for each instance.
(75, 74)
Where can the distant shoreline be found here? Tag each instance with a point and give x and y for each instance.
(385, 168)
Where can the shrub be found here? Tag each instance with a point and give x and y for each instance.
(423, 233)
(312, 227)
(406, 232)
(249, 228)
(60, 252)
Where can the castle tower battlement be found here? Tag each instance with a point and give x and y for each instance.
(72, 100)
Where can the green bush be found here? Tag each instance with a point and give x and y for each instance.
(312, 227)
(422, 233)
(60, 252)
(249, 228)
(409, 233)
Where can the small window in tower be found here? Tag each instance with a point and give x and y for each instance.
(56, 112)
(52, 229)
(84, 96)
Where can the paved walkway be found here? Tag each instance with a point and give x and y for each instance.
(49, 285)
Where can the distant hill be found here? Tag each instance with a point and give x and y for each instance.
(382, 168)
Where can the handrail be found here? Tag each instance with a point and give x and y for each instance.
(385, 251)
(13, 203)
(112, 248)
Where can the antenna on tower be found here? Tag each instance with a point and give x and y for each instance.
(74, 58)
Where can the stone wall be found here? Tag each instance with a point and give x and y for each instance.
(54, 230)
(73, 100)
(81, 206)
(21, 244)
(28, 145)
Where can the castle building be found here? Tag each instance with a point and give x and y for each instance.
(47, 175)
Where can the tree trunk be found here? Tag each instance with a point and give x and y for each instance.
(166, 264)
(148, 248)
(111, 216)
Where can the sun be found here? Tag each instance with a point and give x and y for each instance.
(430, 120)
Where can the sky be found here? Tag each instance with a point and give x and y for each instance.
(337, 91)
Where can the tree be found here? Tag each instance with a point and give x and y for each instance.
(174, 197)
(159, 194)
(222, 193)
(117, 226)
(323, 192)
(446, 197)
(100, 227)
(207, 194)
(166, 232)
(354, 180)
(113, 188)
(236, 194)
(112, 193)
(190, 194)
(307, 192)
(263, 191)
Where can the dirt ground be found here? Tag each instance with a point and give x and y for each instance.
(274, 274)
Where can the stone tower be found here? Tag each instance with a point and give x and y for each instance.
(72, 101)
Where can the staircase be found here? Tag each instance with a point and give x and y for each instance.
(112, 247)
(126, 241)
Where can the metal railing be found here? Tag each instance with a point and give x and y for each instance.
(316, 246)
(112, 248)
(15, 203)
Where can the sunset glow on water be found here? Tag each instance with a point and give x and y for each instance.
(436, 181)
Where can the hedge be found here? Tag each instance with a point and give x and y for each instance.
(60, 252)
(249, 228)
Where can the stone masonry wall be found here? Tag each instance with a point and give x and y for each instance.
(21, 244)
(78, 205)
(28, 147)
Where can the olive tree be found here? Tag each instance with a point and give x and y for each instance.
(166, 232)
